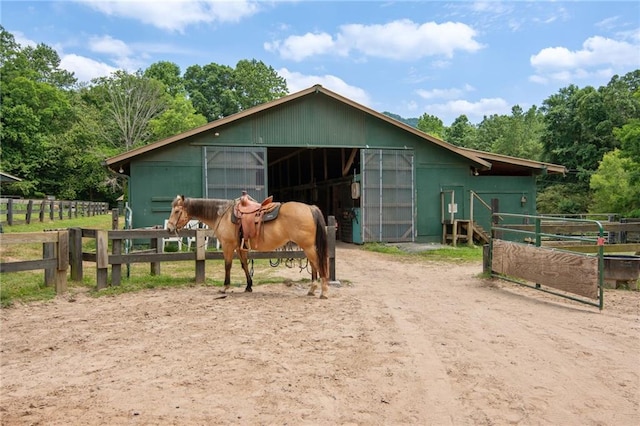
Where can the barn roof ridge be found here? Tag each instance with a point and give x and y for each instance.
(480, 158)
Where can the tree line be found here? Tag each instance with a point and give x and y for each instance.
(56, 131)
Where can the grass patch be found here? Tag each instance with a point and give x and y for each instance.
(459, 254)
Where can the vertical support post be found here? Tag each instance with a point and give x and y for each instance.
(49, 252)
(41, 214)
(470, 227)
(61, 210)
(63, 262)
(114, 219)
(29, 212)
(495, 209)
(331, 242)
(10, 211)
(156, 244)
(51, 209)
(75, 253)
(116, 268)
(102, 258)
(200, 256)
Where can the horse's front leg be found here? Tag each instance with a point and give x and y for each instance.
(228, 261)
(243, 254)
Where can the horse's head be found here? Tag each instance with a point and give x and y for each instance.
(179, 215)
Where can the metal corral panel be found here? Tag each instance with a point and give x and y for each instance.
(387, 195)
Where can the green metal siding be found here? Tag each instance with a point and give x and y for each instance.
(157, 178)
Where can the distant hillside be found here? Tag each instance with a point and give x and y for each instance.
(413, 122)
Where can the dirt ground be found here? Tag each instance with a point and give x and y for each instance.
(400, 342)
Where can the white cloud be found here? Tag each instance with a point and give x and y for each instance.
(597, 54)
(85, 69)
(297, 48)
(176, 15)
(110, 46)
(297, 81)
(452, 93)
(22, 40)
(400, 40)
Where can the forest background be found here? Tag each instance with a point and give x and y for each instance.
(56, 132)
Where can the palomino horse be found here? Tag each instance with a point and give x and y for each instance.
(300, 223)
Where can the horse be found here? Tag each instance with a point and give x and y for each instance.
(297, 222)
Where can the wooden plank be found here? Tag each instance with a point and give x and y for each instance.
(30, 237)
(102, 249)
(49, 252)
(573, 273)
(28, 265)
(63, 250)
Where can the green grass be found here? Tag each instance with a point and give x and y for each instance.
(446, 254)
(28, 286)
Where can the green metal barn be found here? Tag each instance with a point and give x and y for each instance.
(383, 180)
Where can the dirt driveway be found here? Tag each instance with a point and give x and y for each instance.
(403, 342)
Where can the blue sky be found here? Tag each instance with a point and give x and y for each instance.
(407, 57)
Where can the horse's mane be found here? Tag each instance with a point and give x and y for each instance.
(207, 208)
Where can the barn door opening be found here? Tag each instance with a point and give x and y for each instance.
(388, 201)
(231, 170)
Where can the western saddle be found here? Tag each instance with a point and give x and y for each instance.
(249, 214)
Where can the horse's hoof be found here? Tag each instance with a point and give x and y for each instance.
(248, 290)
(310, 294)
(322, 296)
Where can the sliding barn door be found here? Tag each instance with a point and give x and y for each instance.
(388, 201)
(231, 170)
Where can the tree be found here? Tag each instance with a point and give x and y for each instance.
(210, 89)
(217, 91)
(179, 117)
(612, 187)
(130, 102)
(169, 74)
(461, 132)
(257, 83)
(431, 125)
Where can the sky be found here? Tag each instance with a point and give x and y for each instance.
(442, 58)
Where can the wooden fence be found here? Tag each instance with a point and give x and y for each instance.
(155, 256)
(63, 248)
(55, 253)
(20, 211)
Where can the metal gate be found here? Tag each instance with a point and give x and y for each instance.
(388, 201)
(231, 170)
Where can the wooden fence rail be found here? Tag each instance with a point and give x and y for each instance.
(55, 253)
(19, 211)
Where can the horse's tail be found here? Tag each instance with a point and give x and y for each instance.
(321, 241)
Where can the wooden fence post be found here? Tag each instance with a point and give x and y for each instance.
(102, 258)
(10, 211)
(49, 252)
(156, 243)
(331, 242)
(116, 268)
(51, 209)
(29, 211)
(41, 213)
(75, 253)
(200, 256)
(63, 261)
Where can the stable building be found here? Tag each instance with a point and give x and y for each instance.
(383, 180)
